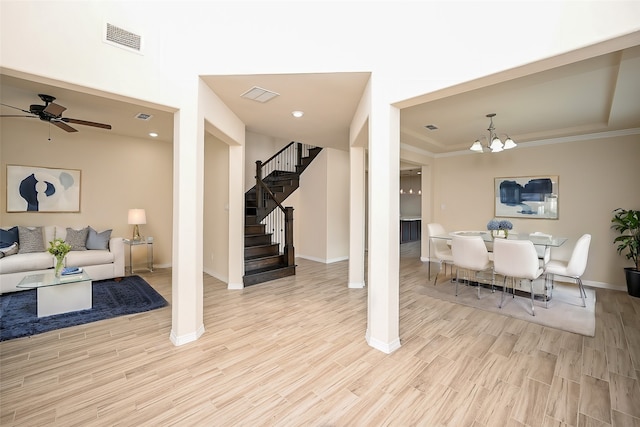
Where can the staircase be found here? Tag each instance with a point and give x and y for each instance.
(268, 232)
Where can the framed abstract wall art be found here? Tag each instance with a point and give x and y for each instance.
(527, 197)
(38, 189)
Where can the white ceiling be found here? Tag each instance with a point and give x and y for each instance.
(80, 105)
(596, 95)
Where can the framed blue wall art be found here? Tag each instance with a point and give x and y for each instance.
(527, 197)
(39, 189)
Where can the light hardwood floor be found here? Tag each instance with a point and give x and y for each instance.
(292, 353)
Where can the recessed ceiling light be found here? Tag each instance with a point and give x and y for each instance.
(297, 114)
(153, 134)
(431, 127)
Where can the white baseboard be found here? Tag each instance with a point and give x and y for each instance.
(594, 284)
(216, 275)
(384, 347)
(187, 338)
(322, 260)
(356, 285)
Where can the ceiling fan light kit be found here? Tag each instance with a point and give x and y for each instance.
(496, 145)
(52, 113)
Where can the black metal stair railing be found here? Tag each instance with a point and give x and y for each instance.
(278, 219)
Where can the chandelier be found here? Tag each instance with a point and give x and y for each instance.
(493, 144)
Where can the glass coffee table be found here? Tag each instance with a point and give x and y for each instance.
(62, 294)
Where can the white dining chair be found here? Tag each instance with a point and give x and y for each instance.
(441, 250)
(574, 268)
(516, 259)
(470, 254)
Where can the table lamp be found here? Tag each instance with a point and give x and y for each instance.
(136, 217)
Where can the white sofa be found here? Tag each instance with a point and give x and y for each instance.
(99, 264)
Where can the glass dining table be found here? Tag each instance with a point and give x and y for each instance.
(539, 240)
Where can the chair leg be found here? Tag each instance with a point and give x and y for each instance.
(582, 292)
(456, 282)
(493, 281)
(504, 287)
(533, 313)
(437, 272)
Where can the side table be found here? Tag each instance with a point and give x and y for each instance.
(149, 244)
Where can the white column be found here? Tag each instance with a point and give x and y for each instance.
(236, 216)
(188, 182)
(384, 213)
(356, 217)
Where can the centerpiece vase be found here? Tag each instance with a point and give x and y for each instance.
(499, 233)
(59, 265)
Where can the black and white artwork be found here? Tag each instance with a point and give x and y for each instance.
(38, 189)
(527, 197)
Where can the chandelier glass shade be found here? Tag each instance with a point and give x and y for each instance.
(493, 144)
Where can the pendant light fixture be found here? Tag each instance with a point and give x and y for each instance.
(494, 144)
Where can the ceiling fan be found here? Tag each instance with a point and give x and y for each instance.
(52, 113)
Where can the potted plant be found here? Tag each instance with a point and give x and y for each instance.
(627, 223)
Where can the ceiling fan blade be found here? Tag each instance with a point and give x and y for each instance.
(11, 115)
(16, 108)
(85, 123)
(54, 110)
(63, 126)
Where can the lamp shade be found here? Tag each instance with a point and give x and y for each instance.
(137, 216)
(477, 146)
(509, 143)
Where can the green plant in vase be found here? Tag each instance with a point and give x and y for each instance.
(627, 223)
(59, 249)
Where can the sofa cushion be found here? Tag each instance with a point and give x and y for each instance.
(84, 258)
(8, 236)
(30, 240)
(77, 238)
(11, 250)
(97, 240)
(26, 262)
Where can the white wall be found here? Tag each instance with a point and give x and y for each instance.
(337, 205)
(117, 173)
(321, 215)
(257, 147)
(311, 212)
(216, 208)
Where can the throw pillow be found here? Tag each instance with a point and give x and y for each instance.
(30, 240)
(77, 238)
(11, 250)
(8, 237)
(99, 241)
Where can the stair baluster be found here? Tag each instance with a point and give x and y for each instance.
(269, 251)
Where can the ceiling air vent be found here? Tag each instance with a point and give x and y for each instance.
(431, 127)
(120, 37)
(143, 116)
(259, 94)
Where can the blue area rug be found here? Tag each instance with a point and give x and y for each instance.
(111, 298)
